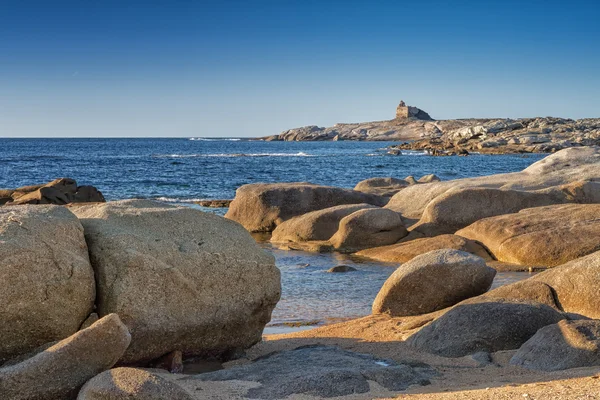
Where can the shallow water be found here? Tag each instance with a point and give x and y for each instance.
(311, 296)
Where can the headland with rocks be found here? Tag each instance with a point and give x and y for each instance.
(136, 299)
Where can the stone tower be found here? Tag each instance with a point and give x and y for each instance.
(403, 112)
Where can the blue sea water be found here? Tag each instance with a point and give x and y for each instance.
(183, 170)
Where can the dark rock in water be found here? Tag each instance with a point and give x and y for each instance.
(60, 191)
(214, 203)
(568, 344)
(341, 268)
(322, 371)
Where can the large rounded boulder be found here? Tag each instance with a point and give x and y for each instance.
(386, 187)
(568, 344)
(368, 228)
(131, 383)
(433, 281)
(562, 168)
(458, 208)
(47, 284)
(406, 251)
(488, 326)
(57, 372)
(315, 225)
(260, 207)
(575, 285)
(567, 232)
(180, 279)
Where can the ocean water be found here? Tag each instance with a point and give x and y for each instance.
(184, 170)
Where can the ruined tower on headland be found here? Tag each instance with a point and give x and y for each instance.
(403, 111)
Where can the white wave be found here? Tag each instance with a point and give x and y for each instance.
(299, 154)
(175, 200)
(216, 140)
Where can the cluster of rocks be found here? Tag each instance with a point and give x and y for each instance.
(448, 235)
(411, 123)
(460, 136)
(157, 280)
(502, 217)
(551, 319)
(500, 136)
(59, 191)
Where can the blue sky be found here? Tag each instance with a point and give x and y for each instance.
(243, 68)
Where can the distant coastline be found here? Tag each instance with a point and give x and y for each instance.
(458, 136)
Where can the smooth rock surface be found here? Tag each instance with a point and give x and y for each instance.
(575, 285)
(567, 232)
(179, 278)
(260, 207)
(59, 371)
(315, 225)
(525, 290)
(406, 251)
(47, 284)
(458, 208)
(131, 383)
(483, 326)
(433, 281)
(320, 371)
(568, 344)
(386, 187)
(368, 228)
(564, 167)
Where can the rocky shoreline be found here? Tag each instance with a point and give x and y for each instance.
(460, 136)
(136, 299)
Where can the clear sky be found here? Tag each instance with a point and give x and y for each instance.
(254, 68)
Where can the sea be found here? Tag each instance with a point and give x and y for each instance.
(185, 170)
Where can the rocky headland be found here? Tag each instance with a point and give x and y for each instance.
(420, 132)
(135, 299)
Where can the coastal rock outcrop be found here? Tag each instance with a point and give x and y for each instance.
(179, 278)
(60, 191)
(433, 281)
(483, 326)
(322, 372)
(410, 123)
(260, 207)
(567, 232)
(47, 283)
(566, 167)
(406, 251)
(367, 228)
(403, 111)
(315, 225)
(458, 136)
(567, 344)
(58, 372)
(131, 383)
(458, 208)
